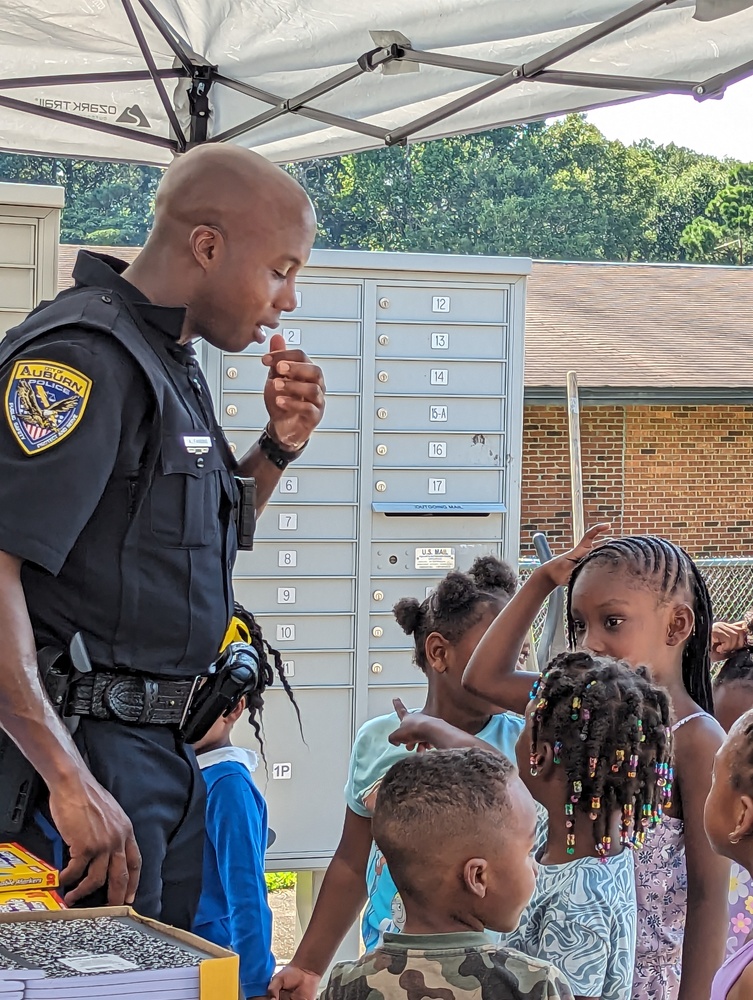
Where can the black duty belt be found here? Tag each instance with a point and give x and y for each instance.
(131, 698)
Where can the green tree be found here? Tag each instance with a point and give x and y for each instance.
(724, 234)
(105, 203)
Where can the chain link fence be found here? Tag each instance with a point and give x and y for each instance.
(730, 583)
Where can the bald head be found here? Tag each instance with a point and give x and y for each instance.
(230, 188)
(231, 231)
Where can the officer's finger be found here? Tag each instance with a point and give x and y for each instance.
(95, 879)
(301, 371)
(276, 355)
(75, 870)
(133, 861)
(117, 879)
(310, 391)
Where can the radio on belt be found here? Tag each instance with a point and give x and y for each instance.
(414, 472)
(245, 512)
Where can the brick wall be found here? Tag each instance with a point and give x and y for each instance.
(679, 471)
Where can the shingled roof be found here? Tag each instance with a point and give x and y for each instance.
(624, 326)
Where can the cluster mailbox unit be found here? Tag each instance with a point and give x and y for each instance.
(415, 470)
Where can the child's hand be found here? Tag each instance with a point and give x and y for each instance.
(416, 730)
(726, 638)
(292, 983)
(560, 569)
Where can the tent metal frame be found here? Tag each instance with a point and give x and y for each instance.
(203, 76)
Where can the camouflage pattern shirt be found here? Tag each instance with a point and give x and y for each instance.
(462, 966)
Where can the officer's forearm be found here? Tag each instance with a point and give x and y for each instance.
(25, 711)
(255, 463)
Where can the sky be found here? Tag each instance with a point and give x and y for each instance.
(720, 127)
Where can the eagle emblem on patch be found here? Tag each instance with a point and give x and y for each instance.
(44, 402)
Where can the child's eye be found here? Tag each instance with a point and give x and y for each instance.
(613, 622)
(578, 626)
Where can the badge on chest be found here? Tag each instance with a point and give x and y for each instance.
(197, 444)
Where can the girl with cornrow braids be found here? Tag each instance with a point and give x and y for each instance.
(642, 599)
(445, 628)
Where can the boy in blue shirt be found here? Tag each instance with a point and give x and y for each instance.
(233, 910)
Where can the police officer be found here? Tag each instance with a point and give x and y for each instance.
(116, 512)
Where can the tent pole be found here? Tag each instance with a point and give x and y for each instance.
(576, 467)
(167, 32)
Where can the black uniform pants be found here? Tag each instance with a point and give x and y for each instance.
(156, 780)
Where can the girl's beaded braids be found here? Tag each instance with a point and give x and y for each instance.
(609, 727)
(671, 568)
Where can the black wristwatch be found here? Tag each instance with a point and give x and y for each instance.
(275, 453)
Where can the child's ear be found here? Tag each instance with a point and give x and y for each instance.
(744, 824)
(436, 648)
(681, 625)
(544, 763)
(476, 876)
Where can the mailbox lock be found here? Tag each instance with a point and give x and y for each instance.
(376, 668)
(382, 413)
(383, 377)
(381, 486)
(232, 446)
(384, 303)
(377, 631)
(383, 339)
(378, 595)
(231, 410)
(232, 373)
(381, 449)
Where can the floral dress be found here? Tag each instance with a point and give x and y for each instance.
(740, 908)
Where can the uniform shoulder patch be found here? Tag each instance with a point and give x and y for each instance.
(44, 402)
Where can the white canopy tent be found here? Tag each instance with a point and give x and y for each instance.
(143, 79)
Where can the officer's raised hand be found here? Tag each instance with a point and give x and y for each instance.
(293, 394)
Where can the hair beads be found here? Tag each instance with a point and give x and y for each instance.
(608, 726)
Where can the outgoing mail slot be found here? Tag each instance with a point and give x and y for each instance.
(302, 558)
(464, 378)
(436, 341)
(330, 300)
(444, 529)
(247, 410)
(287, 591)
(442, 486)
(325, 449)
(397, 667)
(314, 521)
(317, 338)
(380, 699)
(246, 373)
(440, 412)
(288, 632)
(446, 304)
(295, 768)
(439, 450)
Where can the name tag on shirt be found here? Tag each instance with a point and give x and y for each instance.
(197, 444)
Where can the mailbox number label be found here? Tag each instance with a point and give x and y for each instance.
(289, 484)
(437, 449)
(287, 557)
(292, 334)
(440, 341)
(288, 522)
(439, 376)
(285, 633)
(282, 771)
(437, 414)
(437, 486)
(440, 304)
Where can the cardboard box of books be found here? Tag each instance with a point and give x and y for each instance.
(109, 953)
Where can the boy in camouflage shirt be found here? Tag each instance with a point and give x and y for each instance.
(456, 828)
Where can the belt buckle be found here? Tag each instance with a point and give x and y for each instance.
(121, 699)
(189, 701)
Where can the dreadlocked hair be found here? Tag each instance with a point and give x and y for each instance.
(609, 727)
(651, 557)
(741, 763)
(267, 671)
(456, 605)
(738, 666)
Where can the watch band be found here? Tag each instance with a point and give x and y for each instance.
(275, 453)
